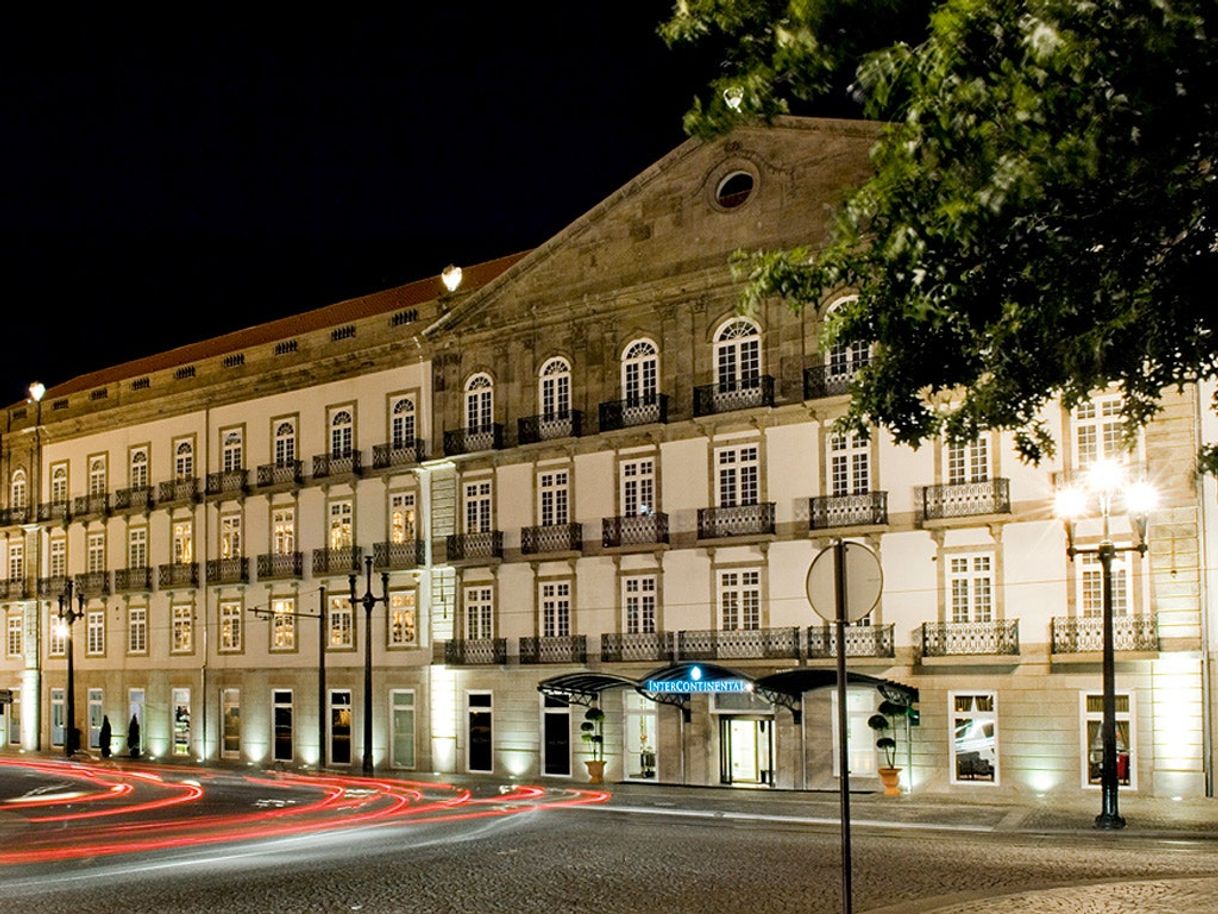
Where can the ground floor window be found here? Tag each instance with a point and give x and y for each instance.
(1093, 739)
(14, 719)
(974, 717)
(556, 736)
(402, 721)
(95, 718)
(479, 732)
(860, 738)
(181, 722)
(135, 719)
(57, 717)
(641, 736)
(340, 726)
(281, 723)
(230, 712)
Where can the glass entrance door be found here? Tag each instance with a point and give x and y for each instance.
(746, 750)
(340, 727)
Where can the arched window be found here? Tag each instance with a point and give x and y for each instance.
(401, 422)
(555, 389)
(479, 403)
(737, 355)
(231, 447)
(844, 359)
(640, 373)
(285, 444)
(97, 476)
(342, 426)
(138, 473)
(59, 485)
(184, 460)
(17, 490)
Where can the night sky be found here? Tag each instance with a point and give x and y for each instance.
(168, 179)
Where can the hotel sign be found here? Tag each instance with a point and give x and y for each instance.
(695, 684)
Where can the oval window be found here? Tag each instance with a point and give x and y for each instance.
(734, 189)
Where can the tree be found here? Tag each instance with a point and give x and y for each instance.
(1041, 216)
(105, 736)
(133, 737)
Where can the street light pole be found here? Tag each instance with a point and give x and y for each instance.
(368, 601)
(67, 616)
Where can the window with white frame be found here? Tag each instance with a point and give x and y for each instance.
(968, 462)
(739, 599)
(230, 536)
(479, 603)
(739, 475)
(57, 640)
(638, 486)
(1091, 584)
(137, 630)
(283, 530)
(95, 552)
(1092, 717)
(15, 643)
(974, 720)
(341, 625)
(57, 558)
(183, 631)
(183, 541)
(556, 609)
(849, 465)
(18, 490)
(402, 517)
(232, 451)
(137, 468)
(95, 632)
(639, 603)
(640, 373)
(403, 619)
(479, 403)
(1098, 432)
(137, 547)
(231, 625)
(477, 496)
(402, 432)
(863, 757)
(283, 624)
(16, 561)
(554, 389)
(59, 484)
(285, 443)
(970, 581)
(184, 460)
(843, 360)
(341, 524)
(342, 431)
(97, 476)
(553, 497)
(737, 355)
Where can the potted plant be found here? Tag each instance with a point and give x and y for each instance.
(592, 733)
(881, 722)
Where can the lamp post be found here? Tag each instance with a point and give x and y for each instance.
(1104, 481)
(368, 601)
(67, 616)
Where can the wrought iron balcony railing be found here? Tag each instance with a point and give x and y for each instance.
(398, 455)
(942, 639)
(531, 429)
(736, 520)
(866, 509)
(726, 396)
(228, 482)
(1086, 635)
(615, 414)
(16, 588)
(485, 545)
(135, 498)
(738, 644)
(624, 647)
(52, 586)
(280, 565)
(93, 583)
(178, 574)
(828, 380)
(634, 530)
(965, 499)
(861, 641)
(133, 580)
(476, 652)
(14, 516)
(552, 538)
(344, 464)
(468, 440)
(97, 505)
(55, 512)
(228, 571)
(178, 491)
(288, 472)
(557, 649)
(409, 554)
(344, 560)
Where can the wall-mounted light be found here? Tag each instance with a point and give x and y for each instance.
(451, 277)
(37, 389)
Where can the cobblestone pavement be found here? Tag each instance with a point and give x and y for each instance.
(1160, 896)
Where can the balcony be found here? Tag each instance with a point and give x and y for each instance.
(87, 507)
(178, 492)
(966, 499)
(863, 510)
(469, 440)
(627, 647)
(946, 639)
(552, 538)
(406, 453)
(476, 652)
(15, 589)
(728, 396)
(10, 516)
(532, 429)
(53, 586)
(474, 546)
(559, 649)
(178, 574)
(615, 414)
(228, 571)
(93, 584)
(739, 644)
(828, 380)
(232, 483)
(284, 473)
(329, 465)
(133, 580)
(390, 556)
(1086, 635)
(345, 560)
(280, 565)
(136, 498)
(55, 512)
(736, 520)
(861, 641)
(634, 530)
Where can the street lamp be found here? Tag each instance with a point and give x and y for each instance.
(368, 601)
(67, 616)
(1106, 480)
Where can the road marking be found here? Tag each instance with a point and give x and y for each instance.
(792, 820)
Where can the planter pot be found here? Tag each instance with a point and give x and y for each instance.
(891, 779)
(596, 771)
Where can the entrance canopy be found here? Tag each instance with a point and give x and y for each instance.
(583, 688)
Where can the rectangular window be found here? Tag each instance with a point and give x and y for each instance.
(183, 460)
(96, 553)
(232, 450)
(341, 522)
(57, 639)
(181, 722)
(341, 624)
(739, 475)
(1098, 434)
(283, 530)
(638, 486)
(14, 719)
(137, 468)
(479, 732)
(864, 757)
(556, 609)
(230, 625)
(183, 628)
(553, 500)
(58, 715)
(96, 632)
(283, 624)
(16, 634)
(971, 585)
(230, 536)
(137, 547)
(477, 506)
(639, 603)
(96, 702)
(57, 563)
(740, 599)
(1091, 584)
(340, 727)
(183, 542)
(974, 717)
(968, 462)
(230, 712)
(402, 740)
(1093, 739)
(402, 517)
(137, 630)
(281, 722)
(479, 613)
(59, 484)
(97, 476)
(402, 618)
(849, 465)
(16, 561)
